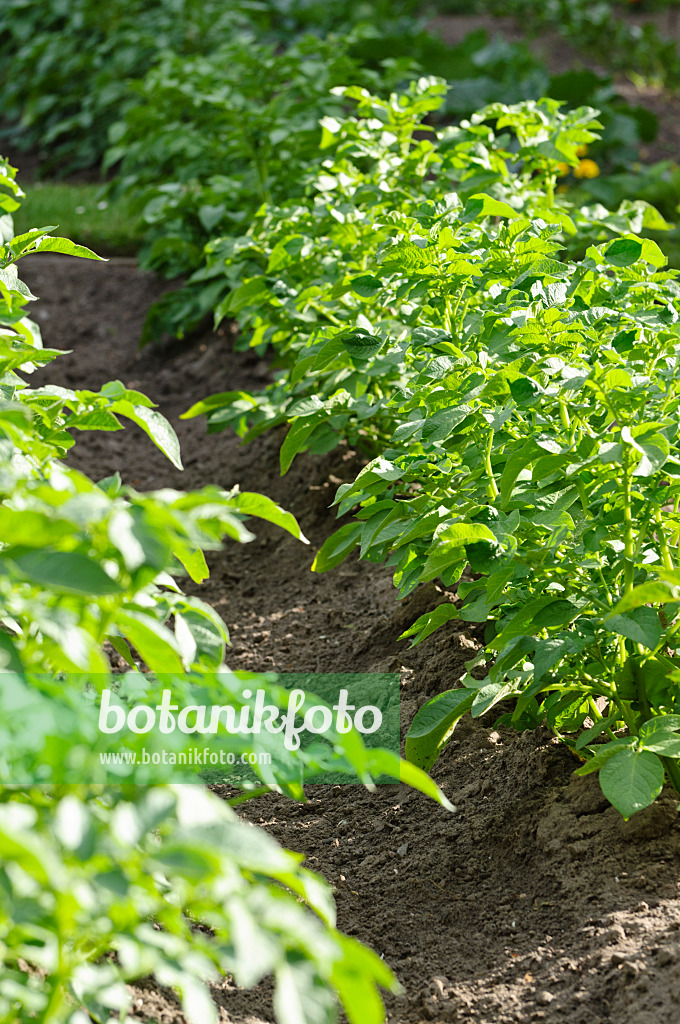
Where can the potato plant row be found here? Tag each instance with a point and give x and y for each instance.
(518, 408)
(102, 880)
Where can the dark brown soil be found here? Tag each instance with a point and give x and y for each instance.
(534, 902)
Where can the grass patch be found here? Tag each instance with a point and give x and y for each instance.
(81, 214)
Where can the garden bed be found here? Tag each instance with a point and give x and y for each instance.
(534, 901)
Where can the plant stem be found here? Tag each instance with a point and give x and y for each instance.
(550, 190)
(324, 312)
(597, 717)
(595, 711)
(449, 314)
(629, 547)
(663, 545)
(605, 587)
(564, 414)
(626, 716)
(673, 772)
(582, 494)
(491, 489)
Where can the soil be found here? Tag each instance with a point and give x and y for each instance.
(534, 901)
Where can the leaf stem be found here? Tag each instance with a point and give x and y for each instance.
(324, 312)
(597, 717)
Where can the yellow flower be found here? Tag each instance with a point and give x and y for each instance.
(586, 169)
(581, 150)
(563, 169)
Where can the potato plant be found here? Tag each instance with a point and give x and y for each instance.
(209, 139)
(67, 67)
(600, 30)
(529, 400)
(103, 885)
(303, 278)
(206, 139)
(535, 448)
(538, 455)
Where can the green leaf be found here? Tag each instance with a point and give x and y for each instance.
(355, 976)
(482, 205)
(660, 723)
(32, 529)
(558, 613)
(651, 253)
(653, 458)
(659, 735)
(209, 633)
(484, 556)
(157, 646)
(63, 245)
(254, 292)
(624, 252)
(548, 654)
(631, 780)
(328, 353)
(487, 697)
(337, 547)
(259, 505)
(601, 754)
(137, 542)
(667, 744)
(521, 622)
(68, 571)
(367, 286)
(360, 344)
(596, 730)
(21, 242)
(526, 392)
(123, 648)
(219, 401)
(155, 426)
(197, 1003)
(193, 561)
(656, 592)
(210, 215)
(642, 626)
(296, 438)
(433, 725)
(518, 461)
(449, 548)
(9, 656)
(460, 534)
(385, 762)
(477, 610)
(427, 623)
(407, 257)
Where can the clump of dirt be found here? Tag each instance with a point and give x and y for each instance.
(534, 902)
